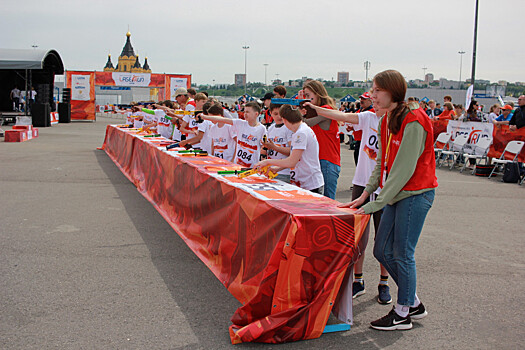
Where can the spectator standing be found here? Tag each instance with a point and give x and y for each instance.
(15, 97)
(432, 111)
(518, 118)
(472, 112)
(494, 112)
(448, 112)
(460, 112)
(505, 117)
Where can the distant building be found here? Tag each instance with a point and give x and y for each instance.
(502, 82)
(240, 79)
(343, 77)
(429, 78)
(127, 61)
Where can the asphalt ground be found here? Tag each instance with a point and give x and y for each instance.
(87, 263)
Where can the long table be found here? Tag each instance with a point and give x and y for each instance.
(283, 252)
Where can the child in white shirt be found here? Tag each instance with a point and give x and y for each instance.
(305, 169)
(279, 141)
(250, 134)
(222, 136)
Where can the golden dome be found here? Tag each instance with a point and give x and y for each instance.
(128, 34)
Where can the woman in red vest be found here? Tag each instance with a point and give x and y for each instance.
(327, 133)
(406, 172)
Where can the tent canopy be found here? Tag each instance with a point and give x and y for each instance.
(31, 59)
(348, 98)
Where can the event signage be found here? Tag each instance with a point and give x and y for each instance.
(176, 83)
(474, 130)
(80, 87)
(131, 79)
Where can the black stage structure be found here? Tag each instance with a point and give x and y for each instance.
(25, 69)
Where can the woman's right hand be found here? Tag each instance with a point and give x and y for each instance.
(356, 203)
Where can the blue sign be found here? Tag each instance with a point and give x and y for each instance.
(115, 88)
(425, 99)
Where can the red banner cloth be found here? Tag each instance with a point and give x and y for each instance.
(283, 259)
(501, 136)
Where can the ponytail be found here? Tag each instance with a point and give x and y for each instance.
(395, 118)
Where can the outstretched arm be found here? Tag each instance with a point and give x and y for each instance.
(334, 114)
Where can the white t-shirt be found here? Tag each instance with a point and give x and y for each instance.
(223, 141)
(138, 123)
(492, 117)
(281, 136)
(307, 172)
(164, 125)
(368, 123)
(248, 142)
(177, 135)
(129, 119)
(190, 107)
(148, 118)
(192, 125)
(205, 143)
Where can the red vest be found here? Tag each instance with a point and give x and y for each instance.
(268, 117)
(329, 143)
(425, 173)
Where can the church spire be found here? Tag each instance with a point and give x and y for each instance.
(109, 64)
(146, 65)
(128, 49)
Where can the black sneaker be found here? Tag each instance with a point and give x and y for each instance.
(391, 322)
(358, 288)
(418, 312)
(384, 294)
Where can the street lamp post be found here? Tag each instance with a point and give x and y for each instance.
(367, 68)
(213, 87)
(245, 48)
(473, 75)
(265, 69)
(461, 53)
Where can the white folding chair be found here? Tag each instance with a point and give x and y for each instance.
(513, 147)
(456, 149)
(442, 139)
(482, 147)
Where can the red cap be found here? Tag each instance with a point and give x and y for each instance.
(366, 96)
(507, 107)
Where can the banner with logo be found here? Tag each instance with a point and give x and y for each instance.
(474, 130)
(128, 80)
(82, 85)
(173, 82)
(131, 79)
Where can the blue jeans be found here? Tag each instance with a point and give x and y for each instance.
(396, 240)
(330, 175)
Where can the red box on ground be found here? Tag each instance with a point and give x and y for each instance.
(20, 133)
(16, 135)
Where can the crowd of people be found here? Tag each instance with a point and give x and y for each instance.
(394, 179)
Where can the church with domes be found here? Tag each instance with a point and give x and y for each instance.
(128, 61)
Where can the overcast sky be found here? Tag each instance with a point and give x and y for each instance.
(296, 38)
